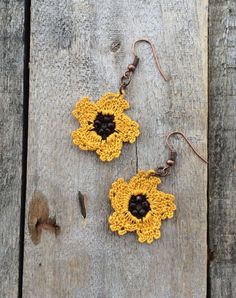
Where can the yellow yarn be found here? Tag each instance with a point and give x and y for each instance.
(111, 104)
(161, 206)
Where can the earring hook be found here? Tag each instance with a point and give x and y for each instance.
(171, 148)
(155, 56)
(127, 76)
(165, 170)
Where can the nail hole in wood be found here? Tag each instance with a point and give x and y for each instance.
(211, 256)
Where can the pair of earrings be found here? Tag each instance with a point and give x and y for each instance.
(138, 205)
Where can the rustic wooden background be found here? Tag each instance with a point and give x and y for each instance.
(52, 53)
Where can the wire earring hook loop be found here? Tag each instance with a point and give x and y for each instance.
(171, 148)
(127, 76)
(163, 171)
(155, 55)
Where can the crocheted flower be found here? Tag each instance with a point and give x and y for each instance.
(139, 206)
(104, 126)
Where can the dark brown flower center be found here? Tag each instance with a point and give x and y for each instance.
(139, 206)
(104, 125)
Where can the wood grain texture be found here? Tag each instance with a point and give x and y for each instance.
(82, 48)
(11, 103)
(222, 144)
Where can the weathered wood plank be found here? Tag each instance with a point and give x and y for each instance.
(222, 138)
(72, 56)
(11, 103)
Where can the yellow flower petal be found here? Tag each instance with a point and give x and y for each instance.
(114, 102)
(144, 181)
(127, 128)
(119, 195)
(84, 105)
(86, 139)
(123, 222)
(110, 148)
(148, 234)
(85, 111)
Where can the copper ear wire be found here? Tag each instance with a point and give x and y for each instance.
(155, 56)
(126, 78)
(165, 170)
(171, 148)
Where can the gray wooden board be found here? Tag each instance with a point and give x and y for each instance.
(222, 141)
(72, 56)
(11, 103)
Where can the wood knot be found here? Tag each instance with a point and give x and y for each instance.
(115, 46)
(38, 218)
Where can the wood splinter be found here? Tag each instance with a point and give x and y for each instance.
(82, 199)
(38, 218)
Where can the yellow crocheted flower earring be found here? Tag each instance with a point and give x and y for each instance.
(104, 125)
(138, 205)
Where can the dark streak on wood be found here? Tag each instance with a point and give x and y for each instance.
(222, 157)
(82, 204)
(11, 119)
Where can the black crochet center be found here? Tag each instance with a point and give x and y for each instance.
(104, 125)
(139, 206)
